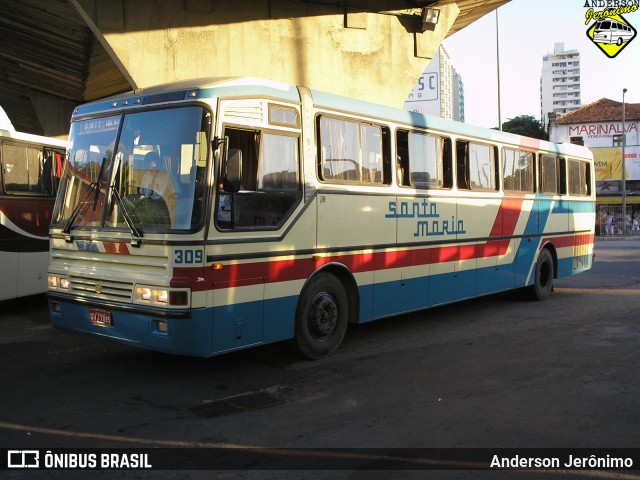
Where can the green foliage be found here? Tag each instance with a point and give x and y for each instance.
(526, 125)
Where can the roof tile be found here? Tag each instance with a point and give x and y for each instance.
(603, 110)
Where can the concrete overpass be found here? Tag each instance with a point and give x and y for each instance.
(55, 54)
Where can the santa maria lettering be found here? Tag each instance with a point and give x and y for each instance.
(429, 222)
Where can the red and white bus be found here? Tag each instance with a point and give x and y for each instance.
(30, 167)
(204, 217)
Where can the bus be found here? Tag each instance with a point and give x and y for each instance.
(30, 166)
(204, 217)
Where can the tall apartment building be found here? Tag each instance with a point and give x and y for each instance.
(439, 90)
(560, 82)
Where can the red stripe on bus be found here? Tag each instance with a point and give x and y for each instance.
(580, 239)
(255, 273)
(117, 247)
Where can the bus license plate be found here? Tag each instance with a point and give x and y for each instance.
(101, 317)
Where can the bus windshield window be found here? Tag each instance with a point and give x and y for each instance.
(158, 169)
(85, 178)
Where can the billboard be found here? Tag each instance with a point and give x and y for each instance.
(425, 96)
(608, 163)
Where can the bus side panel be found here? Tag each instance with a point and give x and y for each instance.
(8, 284)
(527, 248)
(496, 255)
(280, 318)
(410, 291)
(499, 275)
(525, 258)
(582, 216)
(32, 272)
(238, 314)
(453, 273)
(558, 221)
(352, 220)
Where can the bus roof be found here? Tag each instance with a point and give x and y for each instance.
(256, 87)
(28, 137)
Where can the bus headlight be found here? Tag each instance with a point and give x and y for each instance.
(161, 297)
(57, 282)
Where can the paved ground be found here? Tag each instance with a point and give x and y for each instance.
(492, 372)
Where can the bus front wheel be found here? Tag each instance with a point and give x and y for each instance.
(322, 317)
(544, 273)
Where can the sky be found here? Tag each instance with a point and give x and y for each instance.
(528, 29)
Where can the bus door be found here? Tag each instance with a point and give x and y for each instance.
(258, 211)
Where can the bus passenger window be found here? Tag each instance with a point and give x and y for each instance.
(24, 170)
(549, 181)
(429, 161)
(402, 157)
(579, 180)
(477, 169)
(270, 181)
(462, 164)
(517, 173)
(278, 163)
(351, 152)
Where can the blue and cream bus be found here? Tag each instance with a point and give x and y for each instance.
(208, 216)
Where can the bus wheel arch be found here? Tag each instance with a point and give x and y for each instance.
(327, 303)
(545, 270)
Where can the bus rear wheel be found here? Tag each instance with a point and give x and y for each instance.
(322, 317)
(544, 273)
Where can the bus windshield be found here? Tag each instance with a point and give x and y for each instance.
(143, 171)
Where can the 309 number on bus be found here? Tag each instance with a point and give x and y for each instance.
(187, 257)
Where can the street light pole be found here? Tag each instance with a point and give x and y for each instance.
(498, 69)
(624, 173)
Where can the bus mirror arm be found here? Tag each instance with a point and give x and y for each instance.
(218, 142)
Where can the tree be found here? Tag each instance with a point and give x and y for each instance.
(526, 125)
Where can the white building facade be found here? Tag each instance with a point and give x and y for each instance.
(439, 90)
(560, 82)
(599, 126)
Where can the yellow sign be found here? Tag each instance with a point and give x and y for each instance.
(608, 163)
(611, 32)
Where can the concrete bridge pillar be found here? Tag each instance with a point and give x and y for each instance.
(374, 54)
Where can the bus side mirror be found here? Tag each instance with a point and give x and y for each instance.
(233, 170)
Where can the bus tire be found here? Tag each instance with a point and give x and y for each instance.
(322, 317)
(544, 273)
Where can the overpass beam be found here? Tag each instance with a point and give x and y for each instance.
(373, 54)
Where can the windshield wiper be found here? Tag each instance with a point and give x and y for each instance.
(93, 187)
(136, 233)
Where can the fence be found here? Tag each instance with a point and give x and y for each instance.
(609, 220)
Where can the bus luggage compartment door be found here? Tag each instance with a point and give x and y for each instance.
(238, 314)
